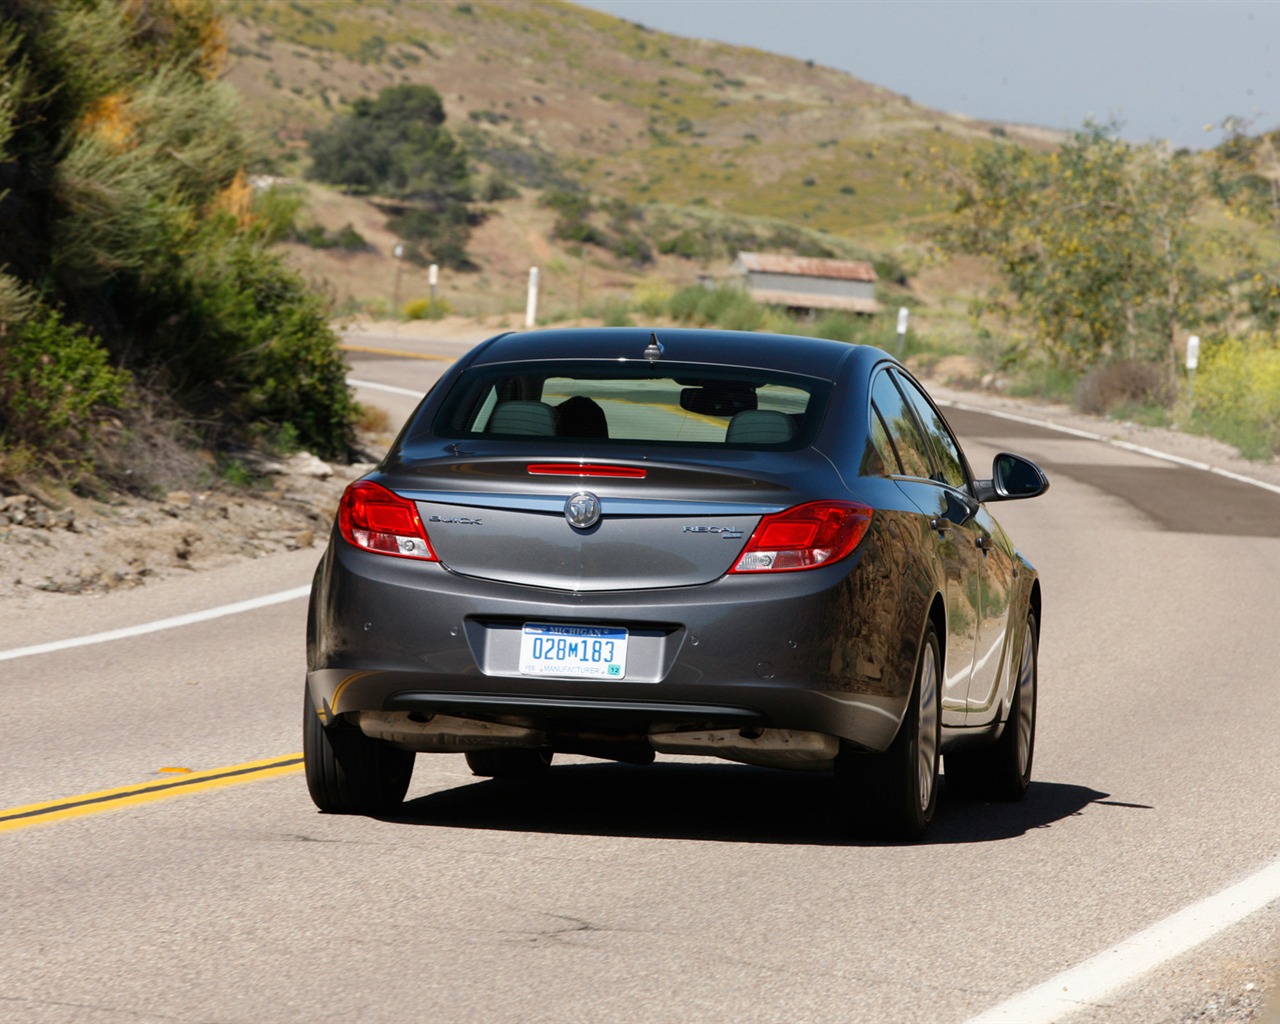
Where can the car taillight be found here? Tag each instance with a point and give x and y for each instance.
(805, 537)
(372, 518)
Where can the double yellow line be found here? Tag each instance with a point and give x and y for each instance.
(161, 789)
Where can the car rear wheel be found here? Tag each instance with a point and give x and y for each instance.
(893, 795)
(1002, 771)
(510, 763)
(349, 773)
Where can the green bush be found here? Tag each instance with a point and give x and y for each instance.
(689, 245)
(630, 247)
(427, 309)
(652, 297)
(346, 238)
(125, 207)
(396, 145)
(497, 188)
(56, 384)
(275, 212)
(715, 307)
(1237, 394)
(836, 326)
(616, 313)
(246, 344)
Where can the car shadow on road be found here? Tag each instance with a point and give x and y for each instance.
(720, 803)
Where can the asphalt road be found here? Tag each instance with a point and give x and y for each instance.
(690, 891)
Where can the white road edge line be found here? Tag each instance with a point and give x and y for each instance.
(391, 389)
(1126, 445)
(1081, 987)
(154, 627)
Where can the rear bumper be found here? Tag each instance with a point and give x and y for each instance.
(788, 652)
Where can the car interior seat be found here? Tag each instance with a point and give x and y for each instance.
(530, 418)
(759, 426)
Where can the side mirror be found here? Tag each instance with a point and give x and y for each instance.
(1012, 477)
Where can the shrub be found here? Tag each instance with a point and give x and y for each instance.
(724, 306)
(125, 207)
(652, 296)
(427, 309)
(573, 208)
(497, 188)
(615, 313)
(1123, 382)
(275, 213)
(56, 384)
(1237, 394)
(632, 248)
(395, 144)
(836, 326)
(346, 238)
(253, 346)
(689, 245)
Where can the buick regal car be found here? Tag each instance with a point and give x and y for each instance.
(621, 543)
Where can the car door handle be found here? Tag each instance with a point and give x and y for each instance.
(985, 544)
(940, 524)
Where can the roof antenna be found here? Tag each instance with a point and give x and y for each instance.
(653, 351)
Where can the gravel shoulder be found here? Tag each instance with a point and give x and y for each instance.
(58, 543)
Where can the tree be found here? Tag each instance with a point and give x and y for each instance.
(1093, 242)
(395, 145)
(127, 227)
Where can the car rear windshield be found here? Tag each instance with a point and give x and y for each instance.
(634, 403)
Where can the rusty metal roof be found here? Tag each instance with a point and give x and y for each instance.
(806, 266)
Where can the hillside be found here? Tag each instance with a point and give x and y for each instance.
(544, 93)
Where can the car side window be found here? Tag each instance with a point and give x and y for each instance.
(911, 447)
(883, 444)
(951, 465)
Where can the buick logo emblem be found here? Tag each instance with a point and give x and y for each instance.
(582, 510)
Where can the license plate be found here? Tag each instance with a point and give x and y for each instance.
(581, 652)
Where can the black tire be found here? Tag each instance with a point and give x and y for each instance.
(893, 795)
(510, 762)
(1002, 771)
(349, 773)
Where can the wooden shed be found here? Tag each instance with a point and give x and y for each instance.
(807, 283)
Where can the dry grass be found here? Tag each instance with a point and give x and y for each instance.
(656, 119)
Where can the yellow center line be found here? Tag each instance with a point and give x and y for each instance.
(147, 792)
(374, 350)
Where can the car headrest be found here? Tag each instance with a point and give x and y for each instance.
(759, 426)
(580, 416)
(531, 418)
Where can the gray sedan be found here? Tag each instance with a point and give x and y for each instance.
(624, 542)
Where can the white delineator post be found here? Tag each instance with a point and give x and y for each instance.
(398, 253)
(1193, 360)
(531, 309)
(433, 278)
(903, 313)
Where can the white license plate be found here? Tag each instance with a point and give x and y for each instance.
(582, 652)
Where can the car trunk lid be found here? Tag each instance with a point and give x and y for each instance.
(592, 525)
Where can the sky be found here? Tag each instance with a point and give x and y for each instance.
(1162, 69)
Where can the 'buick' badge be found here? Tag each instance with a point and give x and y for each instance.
(582, 510)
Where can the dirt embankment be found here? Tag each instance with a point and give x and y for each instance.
(65, 544)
